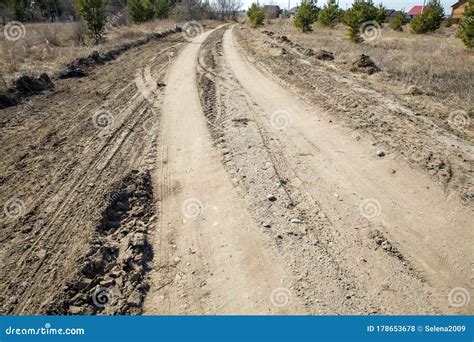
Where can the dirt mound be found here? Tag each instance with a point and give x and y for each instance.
(414, 90)
(308, 52)
(25, 86)
(79, 67)
(364, 64)
(111, 280)
(324, 55)
(382, 241)
(7, 100)
(28, 86)
(284, 39)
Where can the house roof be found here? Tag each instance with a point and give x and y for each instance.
(459, 3)
(416, 10)
(392, 13)
(271, 7)
(294, 9)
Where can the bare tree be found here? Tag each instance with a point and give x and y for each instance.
(227, 9)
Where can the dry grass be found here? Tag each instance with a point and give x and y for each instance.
(49, 47)
(436, 63)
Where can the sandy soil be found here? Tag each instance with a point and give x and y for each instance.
(217, 182)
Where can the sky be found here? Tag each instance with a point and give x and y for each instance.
(395, 4)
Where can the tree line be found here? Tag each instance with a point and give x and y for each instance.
(95, 13)
(363, 12)
(138, 10)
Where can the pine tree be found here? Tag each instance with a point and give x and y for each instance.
(163, 8)
(149, 10)
(256, 15)
(140, 10)
(397, 23)
(330, 15)
(430, 19)
(362, 11)
(93, 12)
(381, 15)
(305, 16)
(466, 26)
(17, 9)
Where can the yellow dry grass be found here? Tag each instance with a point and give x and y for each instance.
(436, 63)
(49, 47)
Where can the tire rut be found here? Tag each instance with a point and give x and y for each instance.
(94, 158)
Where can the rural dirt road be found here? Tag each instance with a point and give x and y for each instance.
(207, 243)
(219, 188)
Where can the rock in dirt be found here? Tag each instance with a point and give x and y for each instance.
(380, 153)
(271, 197)
(138, 240)
(296, 221)
(135, 299)
(75, 310)
(364, 64)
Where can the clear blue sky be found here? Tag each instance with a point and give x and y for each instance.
(395, 4)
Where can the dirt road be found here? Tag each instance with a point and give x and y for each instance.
(410, 209)
(363, 197)
(210, 257)
(221, 188)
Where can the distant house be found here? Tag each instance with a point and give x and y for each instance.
(271, 11)
(391, 14)
(293, 11)
(415, 11)
(458, 10)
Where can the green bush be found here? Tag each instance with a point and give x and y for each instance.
(362, 11)
(163, 8)
(448, 22)
(429, 20)
(398, 21)
(381, 16)
(330, 15)
(466, 26)
(305, 16)
(140, 10)
(17, 9)
(93, 12)
(256, 15)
